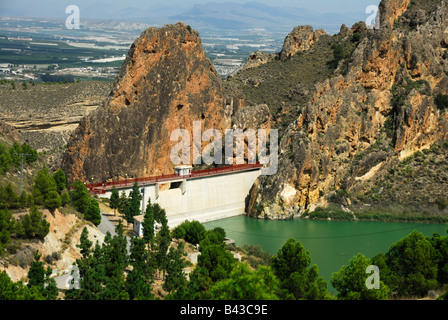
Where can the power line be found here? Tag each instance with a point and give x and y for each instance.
(321, 237)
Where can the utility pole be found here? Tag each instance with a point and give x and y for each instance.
(22, 155)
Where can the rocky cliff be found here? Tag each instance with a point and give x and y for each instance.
(165, 83)
(377, 108)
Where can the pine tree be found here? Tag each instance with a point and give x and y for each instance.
(162, 242)
(60, 180)
(52, 201)
(40, 277)
(291, 266)
(80, 196)
(115, 261)
(140, 278)
(148, 224)
(85, 244)
(43, 185)
(93, 212)
(135, 197)
(17, 290)
(175, 279)
(114, 199)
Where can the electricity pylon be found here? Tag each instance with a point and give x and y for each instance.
(22, 155)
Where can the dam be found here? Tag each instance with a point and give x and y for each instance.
(201, 195)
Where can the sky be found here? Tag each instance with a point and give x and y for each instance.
(203, 14)
(53, 8)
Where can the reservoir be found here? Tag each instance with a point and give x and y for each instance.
(331, 243)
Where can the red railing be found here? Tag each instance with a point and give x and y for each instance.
(100, 188)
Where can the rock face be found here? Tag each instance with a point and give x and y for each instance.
(299, 39)
(258, 58)
(165, 83)
(358, 125)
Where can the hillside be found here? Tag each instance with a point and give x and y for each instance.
(46, 114)
(373, 99)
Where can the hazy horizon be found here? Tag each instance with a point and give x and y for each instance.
(329, 14)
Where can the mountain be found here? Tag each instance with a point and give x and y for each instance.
(362, 117)
(165, 83)
(236, 16)
(361, 114)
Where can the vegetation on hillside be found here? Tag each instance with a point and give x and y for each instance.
(412, 267)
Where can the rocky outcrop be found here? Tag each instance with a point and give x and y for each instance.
(9, 134)
(299, 39)
(358, 124)
(165, 83)
(258, 58)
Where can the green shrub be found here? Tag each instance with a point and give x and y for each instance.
(441, 101)
(191, 231)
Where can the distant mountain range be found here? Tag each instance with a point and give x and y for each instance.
(204, 16)
(257, 15)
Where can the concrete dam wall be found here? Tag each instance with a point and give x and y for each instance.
(203, 199)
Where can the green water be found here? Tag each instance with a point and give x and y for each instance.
(331, 243)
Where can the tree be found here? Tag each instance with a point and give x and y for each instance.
(60, 180)
(440, 244)
(134, 203)
(65, 198)
(148, 224)
(140, 278)
(80, 196)
(413, 265)
(101, 270)
(43, 184)
(162, 242)
(31, 153)
(176, 279)
(114, 199)
(10, 290)
(291, 267)
(115, 259)
(85, 244)
(52, 201)
(245, 284)
(34, 225)
(191, 231)
(216, 261)
(93, 212)
(350, 281)
(6, 226)
(8, 197)
(40, 277)
(5, 160)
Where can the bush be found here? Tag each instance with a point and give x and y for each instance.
(334, 214)
(442, 203)
(356, 37)
(192, 232)
(441, 101)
